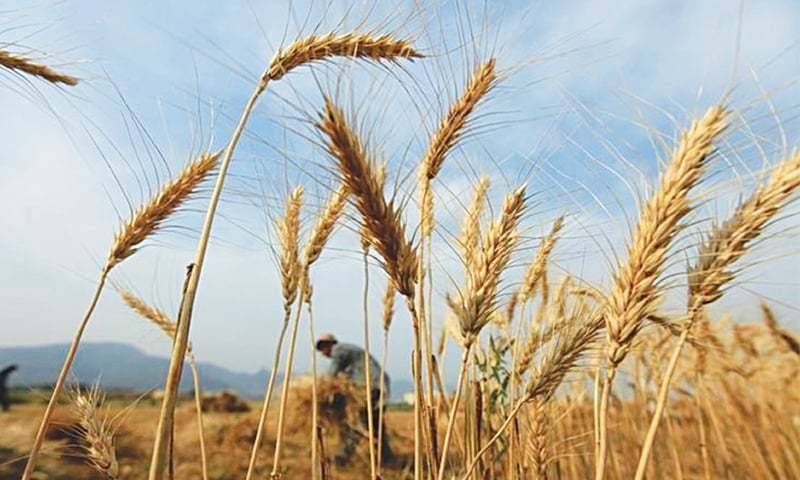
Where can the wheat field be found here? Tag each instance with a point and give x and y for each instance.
(521, 368)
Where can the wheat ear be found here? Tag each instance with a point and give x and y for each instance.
(288, 229)
(707, 278)
(283, 63)
(475, 304)
(471, 225)
(150, 216)
(315, 48)
(19, 63)
(144, 222)
(563, 359)
(96, 432)
(452, 127)
(538, 267)
(380, 220)
(785, 338)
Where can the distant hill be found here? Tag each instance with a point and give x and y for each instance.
(119, 366)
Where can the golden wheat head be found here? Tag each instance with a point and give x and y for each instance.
(478, 300)
(150, 216)
(635, 293)
(155, 315)
(288, 228)
(731, 239)
(471, 226)
(316, 48)
(381, 224)
(96, 433)
(538, 267)
(24, 65)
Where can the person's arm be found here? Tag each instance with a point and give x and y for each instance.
(339, 363)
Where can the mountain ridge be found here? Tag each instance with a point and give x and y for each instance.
(122, 366)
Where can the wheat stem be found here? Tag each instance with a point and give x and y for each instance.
(314, 393)
(451, 419)
(199, 410)
(367, 370)
(267, 397)
(62, 378)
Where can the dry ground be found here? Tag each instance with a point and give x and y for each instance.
(228, 438)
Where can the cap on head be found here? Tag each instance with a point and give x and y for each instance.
(326, 339)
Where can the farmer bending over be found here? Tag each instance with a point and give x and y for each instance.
(348, 360)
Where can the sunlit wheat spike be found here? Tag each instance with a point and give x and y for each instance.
(388, 307)
(730, 240)
(19, 63)
(452, 126)
(450, 131)
(380, 220)
(635, 293)
(155, 315)
(96, 433)
(538, 267)
(149, 217)
(288, 228)
(323, 47)
(478, 300)
(564, 357)
(471, 226)
(784, 337)
(325, 225)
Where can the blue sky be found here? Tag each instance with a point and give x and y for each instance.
(591, 93)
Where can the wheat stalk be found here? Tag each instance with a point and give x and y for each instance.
(381, 226)
(450, 130)
(387, 317)
(19, 63)
(162, 321)
(316, 242)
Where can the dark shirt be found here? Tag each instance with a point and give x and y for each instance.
(348, 360)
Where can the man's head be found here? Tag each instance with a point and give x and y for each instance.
(325, 344)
